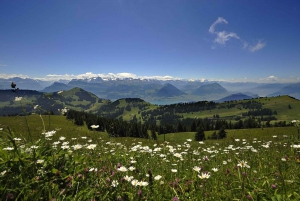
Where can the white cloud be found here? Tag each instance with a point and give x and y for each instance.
(271, 78)
(112, 76)
(89, 75)
(245, 44)
(218, 21)
(126, 75)
(5, 76)
(258, 46)
(164, 78)
(223, 36)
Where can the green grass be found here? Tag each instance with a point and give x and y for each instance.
(37, 124)
(250, 164)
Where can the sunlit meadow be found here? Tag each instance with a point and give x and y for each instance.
(52, 166)
(65, 164)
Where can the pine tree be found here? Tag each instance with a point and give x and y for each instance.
(193, 127)
(200, 136)
(222, 133)
(153, 134)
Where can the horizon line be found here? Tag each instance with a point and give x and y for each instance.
(124, 75)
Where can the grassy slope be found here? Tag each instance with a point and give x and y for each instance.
(53, 122)
(280, 104)
(248, 134)
(68, 129)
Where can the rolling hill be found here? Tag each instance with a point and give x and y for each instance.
(285, 108)
(76, 98)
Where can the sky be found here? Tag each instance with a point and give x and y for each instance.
(241, 40)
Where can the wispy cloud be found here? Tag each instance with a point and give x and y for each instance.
(2, 65)
(223, 36)
(220, 20)
(258, 46)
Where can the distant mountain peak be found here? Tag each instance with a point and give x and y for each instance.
(208, 89)
(168, 90)
(232, 97)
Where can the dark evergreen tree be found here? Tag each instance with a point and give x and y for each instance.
(79, 120)
(153, 134)
(179, 127)
(200, 136)
(222, 133)
(193, 127)
(213, 136)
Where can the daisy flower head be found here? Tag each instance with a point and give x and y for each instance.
(94, 126)
(62, 138)
(158, 177)
(135, 182)
(8, 148)
(18, 98)
(65, 147)
(127, 178)
(144, 183)
(243, 164)
(204, 175)
(131, 168)
(91, 146)
(122, 169)
(40, 161)
(17, 139)
(197, 169)
(173, 170)
(114, 183)
(77, 146)
(215, 169)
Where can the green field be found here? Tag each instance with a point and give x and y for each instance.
(71, 162)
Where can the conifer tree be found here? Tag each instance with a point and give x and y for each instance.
(222, 133)
(200, 136)
(153, 134)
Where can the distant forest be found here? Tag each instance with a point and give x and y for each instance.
(165, 119)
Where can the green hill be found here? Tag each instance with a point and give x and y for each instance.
(76, 98)
(280, 108)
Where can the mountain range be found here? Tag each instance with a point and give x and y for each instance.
(160, 91)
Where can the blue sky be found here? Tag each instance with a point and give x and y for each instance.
(243, 40)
